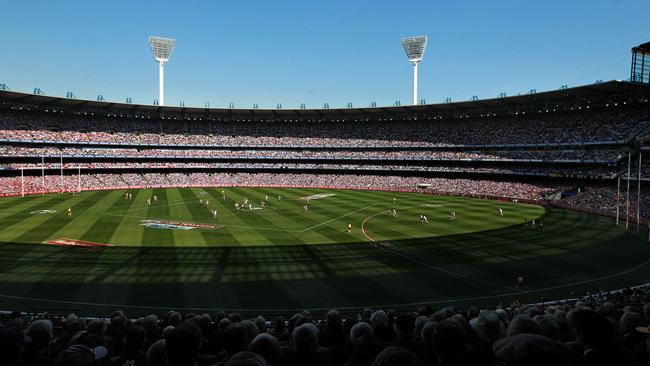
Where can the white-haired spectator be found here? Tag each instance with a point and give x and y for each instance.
(41, 333)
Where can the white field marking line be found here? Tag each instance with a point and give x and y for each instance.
(431, 266)
(431, 302)
(336, 218)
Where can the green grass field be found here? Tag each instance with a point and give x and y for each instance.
(280, 258)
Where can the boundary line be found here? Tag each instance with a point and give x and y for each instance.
(430, 302)
(431, 266)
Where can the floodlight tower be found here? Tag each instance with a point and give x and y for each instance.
(162, 48)
(414, 47)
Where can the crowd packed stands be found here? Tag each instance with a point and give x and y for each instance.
(603, 171)
(71, 183)
(547, 127)
(91, 152)
(602, 328)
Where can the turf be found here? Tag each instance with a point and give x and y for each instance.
(280, 258)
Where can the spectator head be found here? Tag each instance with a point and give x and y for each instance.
(183, 344)
(135, 338)
(267, 346)
(74, 327)
(396, 356)
(427, 334)
(150, 322)
(449, 341)
(235, 338)
(366, 350)
(560, 317)
(359, 330)
(503, 316)
(404, 326)
(118, 323)
(366, 314)
(219, 315)
(305, 339)
(40, 331)
(522, 324)
(204, 321)
(251, 330)
(86, 349)
(98, 326)
(333, 319)
(379, 318)
(530, 350)
(246, 358)
(175, 318)
(279, 325)
(487, 326)
(224, 323)
(443, 314)
(157, 354)
(261, 324)
(628, 324)
(646, 312)
(420, 321)
(607, 309)
(167, 331)
(547, 326)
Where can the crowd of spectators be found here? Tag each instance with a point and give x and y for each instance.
(597, 198)
(602, 199)
(604, 328)
(464, 187)
(594, 171)
(612, 124)
(117, 152)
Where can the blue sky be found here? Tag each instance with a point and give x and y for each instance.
(312, 52)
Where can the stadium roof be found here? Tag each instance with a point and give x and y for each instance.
(581, 95)
(643, 47)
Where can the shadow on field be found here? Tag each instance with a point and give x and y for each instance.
(576, 252)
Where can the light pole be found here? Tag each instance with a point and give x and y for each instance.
(414, 47)
(162, 49)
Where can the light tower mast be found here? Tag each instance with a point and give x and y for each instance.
(162, 48)
(414, 47)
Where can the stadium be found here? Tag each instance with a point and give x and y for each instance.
(337, 234)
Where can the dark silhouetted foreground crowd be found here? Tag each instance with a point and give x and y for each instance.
(603, 329)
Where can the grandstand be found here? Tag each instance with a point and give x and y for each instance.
(161, 235)
(566, 148)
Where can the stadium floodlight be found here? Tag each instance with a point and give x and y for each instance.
(414, 47)
(162, 48)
